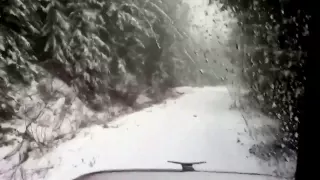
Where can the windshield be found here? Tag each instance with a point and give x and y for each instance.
(104, 85)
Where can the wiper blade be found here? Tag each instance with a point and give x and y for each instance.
(187, 166)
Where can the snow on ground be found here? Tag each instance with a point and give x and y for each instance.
(198, 126)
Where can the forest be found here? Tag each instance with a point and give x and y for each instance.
(106, 53)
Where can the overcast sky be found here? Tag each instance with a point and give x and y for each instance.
(209, 20)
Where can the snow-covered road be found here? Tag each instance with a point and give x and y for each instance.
(198, 126)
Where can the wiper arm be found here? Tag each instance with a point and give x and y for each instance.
(187, 166)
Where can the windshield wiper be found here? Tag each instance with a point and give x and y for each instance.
(187, 166)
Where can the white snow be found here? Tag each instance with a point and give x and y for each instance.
(198, 126)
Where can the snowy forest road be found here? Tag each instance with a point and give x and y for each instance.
(199, 126)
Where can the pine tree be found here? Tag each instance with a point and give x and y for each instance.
(95, 46)
(90, 55)
(55, 51)
(19, 23)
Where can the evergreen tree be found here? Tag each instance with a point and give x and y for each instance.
(19, 23)
(54, 49)
(96, 46)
